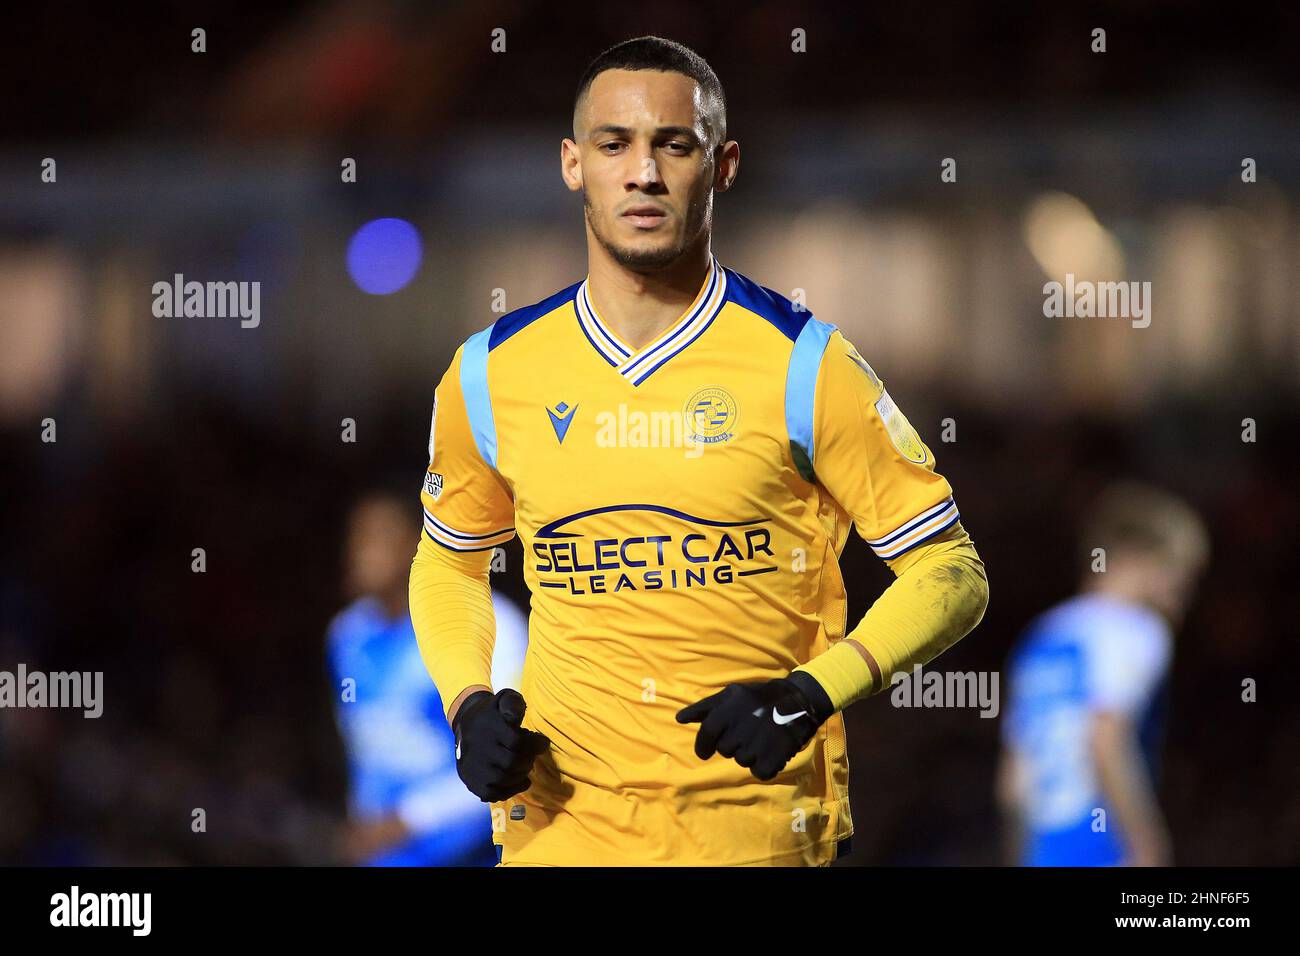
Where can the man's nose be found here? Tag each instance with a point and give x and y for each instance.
(645, 171)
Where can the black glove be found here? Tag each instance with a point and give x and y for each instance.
(762, 725)
(493, 752)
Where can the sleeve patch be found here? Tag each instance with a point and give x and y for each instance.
(906, 441)
(862, 363)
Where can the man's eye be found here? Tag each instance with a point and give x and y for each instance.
(682, 147)
(610, 147)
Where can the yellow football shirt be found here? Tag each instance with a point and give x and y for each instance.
(681, 509)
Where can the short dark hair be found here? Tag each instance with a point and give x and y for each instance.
(667, 56)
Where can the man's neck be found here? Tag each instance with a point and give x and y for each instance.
(394, 602)
(637, 306)
(1117, 585)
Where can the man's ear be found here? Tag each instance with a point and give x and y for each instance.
(571, 165)
(728, 165)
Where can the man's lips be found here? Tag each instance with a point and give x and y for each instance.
(644, 215)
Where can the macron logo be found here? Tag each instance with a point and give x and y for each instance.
(561, 419)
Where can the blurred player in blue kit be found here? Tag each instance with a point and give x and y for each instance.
(407, 806)
(1088, 679)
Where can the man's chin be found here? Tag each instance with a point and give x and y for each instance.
(645, 258)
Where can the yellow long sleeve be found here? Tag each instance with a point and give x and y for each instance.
(455, 625)
(938, 597)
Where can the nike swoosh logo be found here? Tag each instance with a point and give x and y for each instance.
(781, 719)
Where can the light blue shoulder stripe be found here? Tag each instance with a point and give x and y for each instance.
(801, 391)
(474, 386)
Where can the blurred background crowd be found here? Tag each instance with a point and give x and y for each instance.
(183, 433)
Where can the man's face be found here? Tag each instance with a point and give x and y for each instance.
(1165, 580)
(1174, 585)
(379, 546)
(645, 165)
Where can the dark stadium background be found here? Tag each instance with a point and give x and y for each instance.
(183, 433)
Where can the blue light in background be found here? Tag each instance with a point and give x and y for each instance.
(384, 255)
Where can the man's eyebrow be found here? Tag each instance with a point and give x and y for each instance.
(684, 131)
